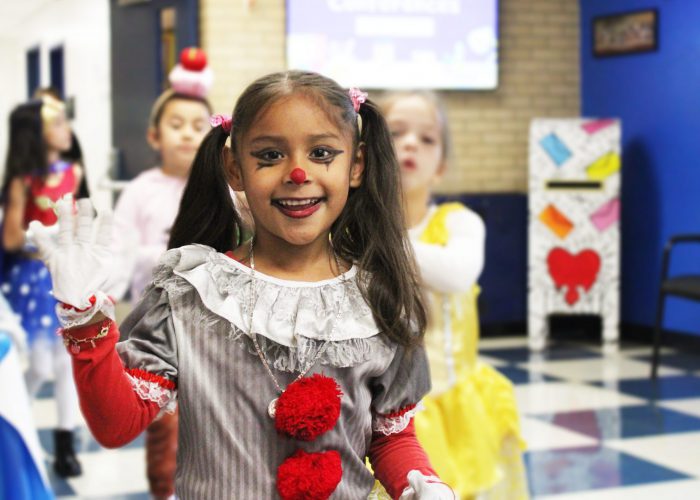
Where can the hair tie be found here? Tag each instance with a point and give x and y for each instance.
(224, 121)
(357, 97)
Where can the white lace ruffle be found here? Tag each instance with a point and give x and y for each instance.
(393, 425)
(166, 399)
(71, 318)
(286, 312)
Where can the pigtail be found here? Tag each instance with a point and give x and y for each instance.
(207, 215)
(371, 232)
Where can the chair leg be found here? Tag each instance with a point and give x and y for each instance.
(657, 335)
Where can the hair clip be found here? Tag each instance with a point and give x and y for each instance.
(224, 121)
(357, 97)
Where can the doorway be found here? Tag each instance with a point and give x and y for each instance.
(146, 37)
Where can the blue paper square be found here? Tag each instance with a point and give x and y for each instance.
(555, 148)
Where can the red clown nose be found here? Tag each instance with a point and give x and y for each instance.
(298, 176)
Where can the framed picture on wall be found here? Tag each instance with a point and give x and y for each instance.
(626, 33)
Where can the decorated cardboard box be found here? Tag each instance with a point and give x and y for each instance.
(574, 224)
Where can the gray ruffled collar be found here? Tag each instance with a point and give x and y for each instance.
(286, 312)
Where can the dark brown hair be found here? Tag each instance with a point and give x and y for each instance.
(26, 149)
(370, 229)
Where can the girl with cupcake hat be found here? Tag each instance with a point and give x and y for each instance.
(146, 210)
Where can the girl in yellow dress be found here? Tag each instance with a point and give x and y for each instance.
(470, 425)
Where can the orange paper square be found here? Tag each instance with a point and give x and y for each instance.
(556, 221)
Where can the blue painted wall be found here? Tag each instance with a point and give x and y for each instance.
(503, 282)
(657, 96)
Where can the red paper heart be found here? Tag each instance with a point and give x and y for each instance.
(571, 271)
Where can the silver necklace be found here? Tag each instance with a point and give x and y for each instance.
(272, 407)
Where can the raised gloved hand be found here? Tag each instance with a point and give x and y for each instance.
(78, 260)
(30, 245)
(421, 487)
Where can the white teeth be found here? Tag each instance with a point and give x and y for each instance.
(296, 203)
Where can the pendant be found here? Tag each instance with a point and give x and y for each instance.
(272, 408)
(75, 348)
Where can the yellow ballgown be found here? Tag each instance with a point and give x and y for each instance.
(469, 426)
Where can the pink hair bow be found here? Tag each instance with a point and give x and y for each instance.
(357, 97)
(225, 121)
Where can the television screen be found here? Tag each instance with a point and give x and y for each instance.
(441, 44)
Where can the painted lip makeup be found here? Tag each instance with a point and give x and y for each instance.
(298, 208)
(408, 164)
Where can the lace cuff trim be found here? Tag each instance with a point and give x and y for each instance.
(70, 317)
(395, 422)
(151, 387)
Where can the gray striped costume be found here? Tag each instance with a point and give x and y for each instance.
(191, 327)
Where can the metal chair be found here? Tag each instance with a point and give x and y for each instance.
(686, 286)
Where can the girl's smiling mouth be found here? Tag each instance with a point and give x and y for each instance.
(297, 208)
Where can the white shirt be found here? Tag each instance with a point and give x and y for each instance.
(456, 266)
(143, 218)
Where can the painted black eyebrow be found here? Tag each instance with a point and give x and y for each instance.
(269, 138)
(282, 140)
(319, 137)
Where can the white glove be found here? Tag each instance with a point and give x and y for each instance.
(30, 239)
(79, 262)
(422, 487)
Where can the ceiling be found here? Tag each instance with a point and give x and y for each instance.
(14, 12)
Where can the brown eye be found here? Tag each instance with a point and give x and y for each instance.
(320, 153)
(323, 154)
(271, 155)
(267, 157)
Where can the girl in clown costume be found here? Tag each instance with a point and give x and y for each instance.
(469, 426)
(292, 356)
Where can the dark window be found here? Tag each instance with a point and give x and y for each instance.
(33, 71)
(56, 68)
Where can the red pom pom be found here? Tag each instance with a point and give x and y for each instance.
(308, 407)
(193, 59)
(309, 476)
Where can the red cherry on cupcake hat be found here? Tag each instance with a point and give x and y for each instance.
(193, 59)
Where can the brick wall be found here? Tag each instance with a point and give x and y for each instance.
(539, 77)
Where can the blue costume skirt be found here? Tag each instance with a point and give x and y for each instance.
(20, 477)
(27, 287)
